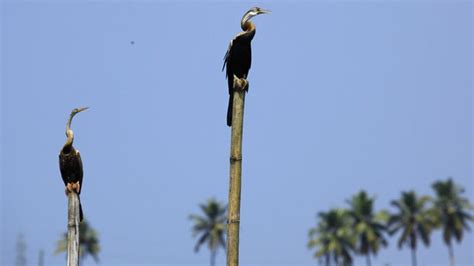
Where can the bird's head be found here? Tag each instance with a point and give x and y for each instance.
(254, 11)
(78, 110)
(73, 113)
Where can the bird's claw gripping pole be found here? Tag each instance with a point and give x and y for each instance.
(233, 219)
(240, 84)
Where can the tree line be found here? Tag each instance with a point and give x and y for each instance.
(359, 230)
(340, 234)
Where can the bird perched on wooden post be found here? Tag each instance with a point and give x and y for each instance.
(239, 54)
(70, 162)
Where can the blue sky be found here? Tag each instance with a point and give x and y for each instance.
(344, 95)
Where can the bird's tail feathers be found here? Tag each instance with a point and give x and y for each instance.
(81, 215)
(229, 109)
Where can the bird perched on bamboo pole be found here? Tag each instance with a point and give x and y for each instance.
(238, 58)
(70, 162)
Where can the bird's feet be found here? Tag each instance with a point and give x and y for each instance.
(70, 187)
(77, 187)
(240, 84)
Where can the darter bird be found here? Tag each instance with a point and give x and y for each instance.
(238, 58)
(70, 162)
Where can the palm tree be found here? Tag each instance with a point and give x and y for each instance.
(88, 242)
(452, 212)
(369, 228)
(333, 237)
(210, 227)
(413, 219)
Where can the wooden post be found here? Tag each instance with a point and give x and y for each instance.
(73, 230)
(233, 218)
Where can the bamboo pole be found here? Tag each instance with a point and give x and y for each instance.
(73, 230)
(233, 218)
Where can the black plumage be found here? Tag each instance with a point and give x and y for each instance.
(238, 58)
(70, 162)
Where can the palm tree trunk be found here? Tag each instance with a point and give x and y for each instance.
(368, 259)
(451, 254)
(73, 230)
(413, 257)
(233, 218)
(213, 257)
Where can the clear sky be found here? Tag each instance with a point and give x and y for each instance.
(344, 95)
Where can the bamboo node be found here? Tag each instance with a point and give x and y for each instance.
(235, 158)
(233, 221)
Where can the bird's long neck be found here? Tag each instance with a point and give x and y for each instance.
(69, 134)
(70, 139)
(248, 27)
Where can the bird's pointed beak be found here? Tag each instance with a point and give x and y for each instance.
(264, 11)
(82, 109)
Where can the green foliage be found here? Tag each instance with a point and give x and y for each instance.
(342, 231)
(451, 210)
(362, 231)
(413, 219)
(369, 228)
(88, 242)
(333, 237)
(210, 227)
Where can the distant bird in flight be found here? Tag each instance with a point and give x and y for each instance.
(70, 162)
(239, 54)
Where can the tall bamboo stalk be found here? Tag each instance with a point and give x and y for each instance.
(73, 230)
(233, 218)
